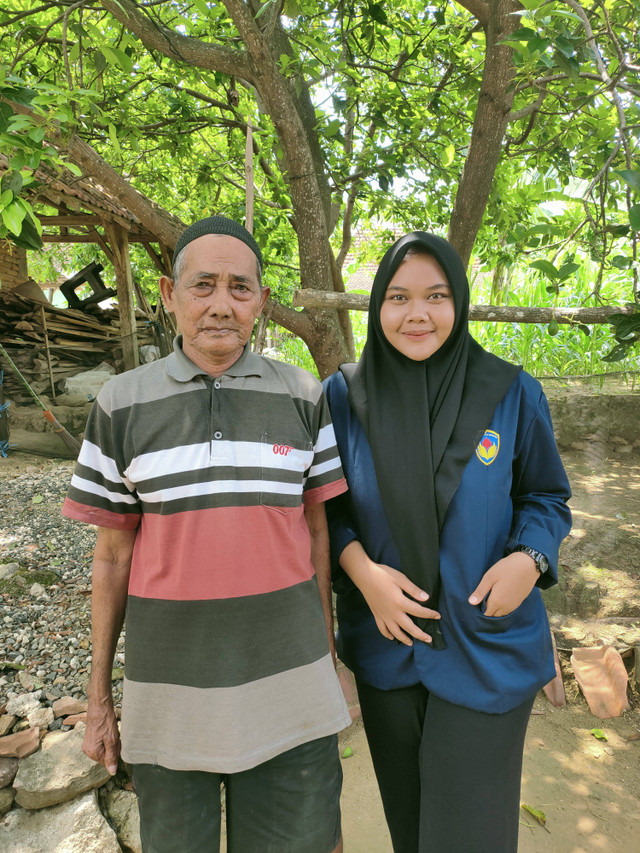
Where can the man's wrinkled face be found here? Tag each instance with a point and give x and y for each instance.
(216, 299)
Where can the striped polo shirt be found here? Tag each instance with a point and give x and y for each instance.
(227, 659)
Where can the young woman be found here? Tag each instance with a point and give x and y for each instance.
(455, 512)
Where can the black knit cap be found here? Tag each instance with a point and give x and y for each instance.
(216, 225)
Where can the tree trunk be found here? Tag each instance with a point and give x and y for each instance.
(489, 127)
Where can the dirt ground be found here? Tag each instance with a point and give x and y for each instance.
(588, 789)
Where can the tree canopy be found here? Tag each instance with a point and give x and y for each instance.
(510, 127)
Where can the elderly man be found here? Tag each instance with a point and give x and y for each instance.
(206, 473)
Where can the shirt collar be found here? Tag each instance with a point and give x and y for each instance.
(182, 369)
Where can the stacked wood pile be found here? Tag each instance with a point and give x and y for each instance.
(49, 344)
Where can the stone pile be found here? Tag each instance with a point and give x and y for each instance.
(52, 796)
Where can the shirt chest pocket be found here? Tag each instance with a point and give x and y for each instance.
(284, 465)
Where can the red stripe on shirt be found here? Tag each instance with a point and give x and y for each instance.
(224, 552)
(324, 493)
(100, 517)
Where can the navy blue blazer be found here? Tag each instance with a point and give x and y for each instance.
(514, 491)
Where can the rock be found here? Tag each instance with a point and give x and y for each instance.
(75, 718)
(28, 681)
(585, 598)
(37, 590)
(122, 810)
(7, 796)
(89, 382)
(42, 718)
(59, 772)
(24, 704)
(149, 353)
(7, 570)
(21, 744)
(8, 770)
(6, 723)
(68, 705)
(74, 827)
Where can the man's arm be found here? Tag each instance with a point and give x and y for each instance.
(317, 523)
(110, 581)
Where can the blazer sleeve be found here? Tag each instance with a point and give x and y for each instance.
(540, 491)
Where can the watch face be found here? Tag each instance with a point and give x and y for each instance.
(542, 564)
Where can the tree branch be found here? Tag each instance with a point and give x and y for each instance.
(484, 313)
(478, 8)
(185, 49)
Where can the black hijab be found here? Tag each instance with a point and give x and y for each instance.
(423, 419)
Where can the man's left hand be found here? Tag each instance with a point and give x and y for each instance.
(507, 583)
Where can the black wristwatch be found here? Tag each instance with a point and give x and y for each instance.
(542, 564)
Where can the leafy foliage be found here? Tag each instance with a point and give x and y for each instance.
(388, 94)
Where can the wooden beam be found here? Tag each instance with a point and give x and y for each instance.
(117, 237)
(70, 220)
(157, 260)
(88, 238)
(486, 313)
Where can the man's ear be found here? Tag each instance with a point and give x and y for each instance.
(167, 286)
(264, 295)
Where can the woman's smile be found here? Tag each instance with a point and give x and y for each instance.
(418, 312)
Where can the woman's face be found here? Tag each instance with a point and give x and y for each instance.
(418, 313)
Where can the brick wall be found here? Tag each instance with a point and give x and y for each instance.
(13, 266)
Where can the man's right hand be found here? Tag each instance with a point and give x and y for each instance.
(102, 737)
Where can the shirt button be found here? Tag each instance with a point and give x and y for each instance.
(217, 434)
(216, 385)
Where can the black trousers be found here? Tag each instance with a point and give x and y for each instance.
(449, 777)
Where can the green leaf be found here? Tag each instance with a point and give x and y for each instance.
(29, 237)
(99, 62)
(347, 752)
(631, 177)
(546, 267)
(114, 56)
(75, 170)
(447, 155)
(202, 7)
(621, 262)
(74, 53)
(291, 8)
(567, 269)
(634, 217)
(599, 734)
(263, 9)
(5, 114)
(565, 46)
(37, 134)
(37, 499)
(12, 216)
(11, 181)
(9, 664)
(617, 354)
(6, 197)
(538, 814)
(113, 136)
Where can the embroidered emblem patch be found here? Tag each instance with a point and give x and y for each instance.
(488, 448)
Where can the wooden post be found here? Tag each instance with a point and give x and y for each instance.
(47, 351)
(119, 242)
(248, 178)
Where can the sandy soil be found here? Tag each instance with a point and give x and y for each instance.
(588, 790)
